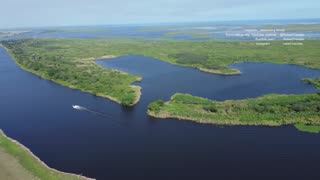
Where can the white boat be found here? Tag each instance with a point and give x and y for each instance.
(76, 107)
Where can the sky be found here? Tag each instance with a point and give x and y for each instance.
(37, 13)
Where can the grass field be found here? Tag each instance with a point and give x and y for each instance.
(18, 163)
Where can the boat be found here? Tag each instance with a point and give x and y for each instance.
(76, 107)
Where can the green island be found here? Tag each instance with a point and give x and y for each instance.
(302, 111)
(17, 162)
(268, 110)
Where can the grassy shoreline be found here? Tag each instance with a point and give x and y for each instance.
(269, 110)
(31, 163)
(132, 92)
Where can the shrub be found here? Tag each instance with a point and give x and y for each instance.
(190, 58)
(127, 100)
(299, 107)
(156, 106)
(210, 108)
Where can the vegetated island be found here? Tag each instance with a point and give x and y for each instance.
(70, 62)
(18, 162)
(303, 111)
(268, 110)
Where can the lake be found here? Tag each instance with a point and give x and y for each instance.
(107, 141)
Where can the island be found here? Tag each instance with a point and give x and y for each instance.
(303, 111)
(268, 110)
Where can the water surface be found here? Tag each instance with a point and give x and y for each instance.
(126, 143)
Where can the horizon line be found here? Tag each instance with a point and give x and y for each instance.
(153, 24)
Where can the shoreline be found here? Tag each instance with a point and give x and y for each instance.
(235, 112)
(62, 83)
(29, 152)
(166, 116)
(217, 72)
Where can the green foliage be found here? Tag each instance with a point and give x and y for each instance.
(270, 110)
(190, 58)
(71, 63)
(156, 106)
(127, 99)
(210, 108)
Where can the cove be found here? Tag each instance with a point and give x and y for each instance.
(161, 79)
(126, 143)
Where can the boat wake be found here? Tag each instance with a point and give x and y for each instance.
(80, 108)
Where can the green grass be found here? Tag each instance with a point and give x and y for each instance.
(30, 162)
(308, 128)
(269, 110)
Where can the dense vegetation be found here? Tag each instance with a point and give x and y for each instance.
(71, 63)
(31, 163)
(156, 106)
(269, 110)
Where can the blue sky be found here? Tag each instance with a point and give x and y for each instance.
(28, 13)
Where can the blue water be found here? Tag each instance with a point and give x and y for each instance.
(124, 143)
